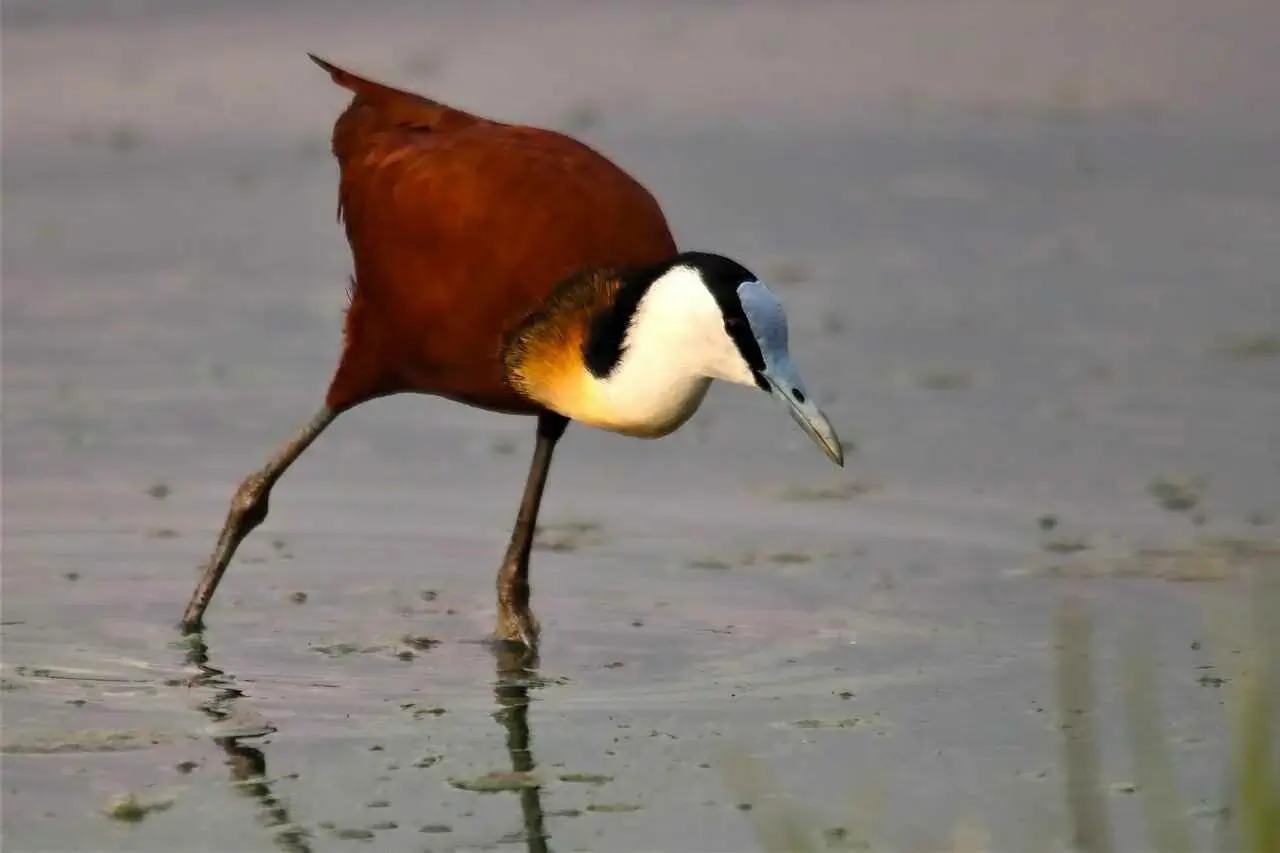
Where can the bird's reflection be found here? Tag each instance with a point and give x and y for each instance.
(248, 764)
(511, 689)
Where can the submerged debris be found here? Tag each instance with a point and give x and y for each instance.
(128, 808)
(497, 780)
(840, 723)
(1207, 559)
(422, 713)
(613, 808)
(90, 741)
(1065, 544)
(565, 813)
(420, 643)
(337, 650)
(586, 778)
(1178, 493)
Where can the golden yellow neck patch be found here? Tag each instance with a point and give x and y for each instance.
(542, 357)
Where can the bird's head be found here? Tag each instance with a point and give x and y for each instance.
(645, 342)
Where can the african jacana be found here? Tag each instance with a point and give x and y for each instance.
(517, 270)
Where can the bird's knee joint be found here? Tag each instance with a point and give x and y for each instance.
(250, 500)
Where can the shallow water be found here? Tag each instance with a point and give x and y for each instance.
(1014, 313)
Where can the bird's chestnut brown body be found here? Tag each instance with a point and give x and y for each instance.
(460, 227)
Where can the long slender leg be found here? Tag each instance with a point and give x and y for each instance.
(516, 622)
(248, 509)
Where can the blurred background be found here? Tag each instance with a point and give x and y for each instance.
(1030, 254)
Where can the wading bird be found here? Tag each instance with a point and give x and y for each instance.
(517, 270)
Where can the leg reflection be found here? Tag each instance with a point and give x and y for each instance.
(511, 690)
(248, 764)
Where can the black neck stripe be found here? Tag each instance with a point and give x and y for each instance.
(606, 339)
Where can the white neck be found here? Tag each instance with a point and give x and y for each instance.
(676, 344)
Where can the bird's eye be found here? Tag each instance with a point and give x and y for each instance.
(798, 395)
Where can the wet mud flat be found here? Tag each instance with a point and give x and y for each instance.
(1049, 330)
(312, 726)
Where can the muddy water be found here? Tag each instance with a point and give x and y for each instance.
(1049, 316)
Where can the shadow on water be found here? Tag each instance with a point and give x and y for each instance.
(248, 764)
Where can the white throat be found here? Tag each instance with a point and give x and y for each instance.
(676, 344)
